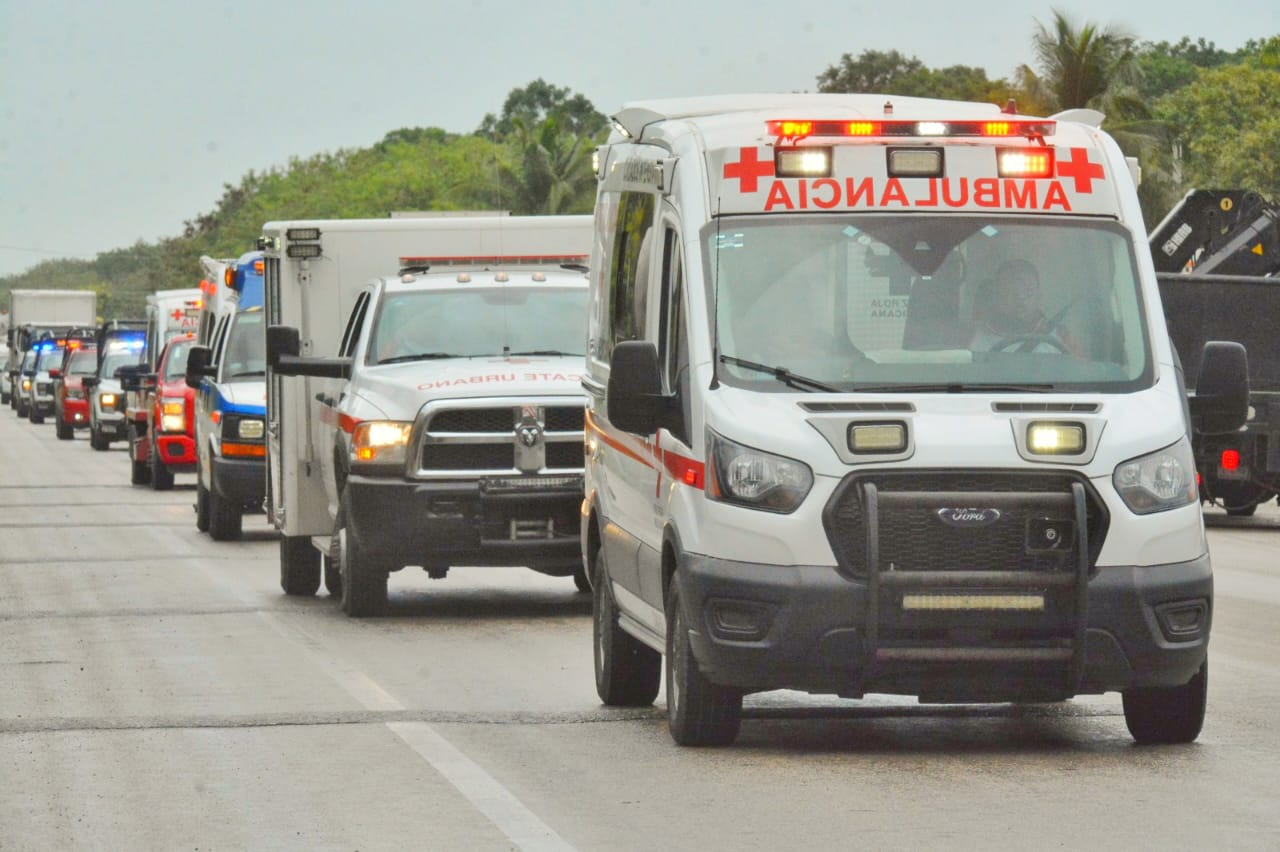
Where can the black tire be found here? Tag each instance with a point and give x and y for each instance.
(225, 518)
(64, 430)
(299, 566)
(331, 565)
(21, 408)
(628, 672)
(1242, 511)
(34, 415)
(580, 580)
(139, 471)
(97, 441)
(363, 582)
(699, 713)
(161, 476)
(1167, 714)
(202, 506)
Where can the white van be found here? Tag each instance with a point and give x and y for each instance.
(881, 399)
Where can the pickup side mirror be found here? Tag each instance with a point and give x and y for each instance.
(198, 365)
(55, 373)
(634, 401)
(1221, 402)
(89, 382)
(130, 376)
(284, 344)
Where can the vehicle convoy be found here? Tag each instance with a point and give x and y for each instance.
(120, 343)
(433, 418)
(70, 407)
(36, 313)
(169, 314)
(162, 440)
(1217, 255)
(228, 372)
(881, 399)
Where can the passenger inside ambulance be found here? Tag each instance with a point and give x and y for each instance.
(1010, 314)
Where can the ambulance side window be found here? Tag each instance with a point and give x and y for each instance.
(219, 337)
(355, 323)
(673, 343)
(629, 269)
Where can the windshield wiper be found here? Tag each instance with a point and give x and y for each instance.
(247, 373)
(421, 356)
(954, 387)
(543, 352)
(782, 374)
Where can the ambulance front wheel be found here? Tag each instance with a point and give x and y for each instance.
(225, 518)
(1167, 714)
(628, 672)
(363, 581)
(202, 506)
(299, 566)
(699, 713)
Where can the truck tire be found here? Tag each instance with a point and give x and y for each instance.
(1167, 714)
(699, 713)
(139, 471)
(299, 566)
(202, 506)
(225, 518)
(161, 476)
(628, 672)
(21, 407)
(97, 441)
(34, 415)
(332, 567)
(364, 583)
(1242, 511)
(580, 580)
(65, 432)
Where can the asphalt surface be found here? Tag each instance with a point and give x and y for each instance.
(158, 691)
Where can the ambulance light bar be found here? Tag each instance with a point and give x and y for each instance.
(1025, 162)
(491, 260)
(800, 129)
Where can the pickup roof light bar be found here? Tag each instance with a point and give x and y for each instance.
(797, 129)
(423, 263)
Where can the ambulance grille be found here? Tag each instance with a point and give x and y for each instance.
(476, 440)
(912, 536)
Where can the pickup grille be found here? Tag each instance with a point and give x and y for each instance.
(477, 438)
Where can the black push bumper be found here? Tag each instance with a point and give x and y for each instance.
(438, 524)
(242, 481)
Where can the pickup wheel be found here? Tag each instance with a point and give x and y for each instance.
(699, 712)
(299, 566)
(225, 518)
(64, 430)
(161, 476)
(21, 407)
(363, 582)
(628, 672)
(139, 471)
(1167, 714)
(97, 441)
(34, 415)
(202, 506)
(1242, 511)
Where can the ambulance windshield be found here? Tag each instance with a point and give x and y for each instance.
(891, 303)
(479, 321)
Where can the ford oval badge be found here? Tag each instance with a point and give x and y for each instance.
(959, 516)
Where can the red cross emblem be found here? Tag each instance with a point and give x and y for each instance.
(748, 169)
(1081, 170)
(177, 313)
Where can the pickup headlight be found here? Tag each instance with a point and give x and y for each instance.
(107, 400)
(26, 385)
(380, 442)
(754, 478)
(173, 415)
(1163, 480)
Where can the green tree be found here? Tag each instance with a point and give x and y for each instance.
(551, 172)
(539, 101)
(1081, 66)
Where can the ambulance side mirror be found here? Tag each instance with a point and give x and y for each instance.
(282, 340)
(283, 347)
(198, 358)
(1220, 405)
(634, 399)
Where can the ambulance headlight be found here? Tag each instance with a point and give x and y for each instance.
(251, 429)
(1163, 480)
(753, 478)
(380, 442)
(802, 162)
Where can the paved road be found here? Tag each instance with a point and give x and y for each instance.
(157, 691)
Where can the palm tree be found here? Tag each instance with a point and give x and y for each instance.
(554, 167)
(1082, 67)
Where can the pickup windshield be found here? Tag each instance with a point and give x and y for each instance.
(480, 321)
(921, 302)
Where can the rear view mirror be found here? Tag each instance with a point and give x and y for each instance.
(282, 340)
(284, 345)
(1221, 402)
(634, 398)
(198, 358)
(130, 376)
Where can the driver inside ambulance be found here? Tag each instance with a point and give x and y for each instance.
(1010, 315)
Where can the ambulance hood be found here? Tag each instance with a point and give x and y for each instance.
(245, 395)
(400, 390)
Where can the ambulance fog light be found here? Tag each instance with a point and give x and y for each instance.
(739, 621)
(802, 162)
(1183, 621)
(753, 478)
(1056, 439)
(251, 429)
(381, 442)
(915, 162)
(878, 437)
(1158, 482)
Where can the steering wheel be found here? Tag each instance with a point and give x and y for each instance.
(1033, 339)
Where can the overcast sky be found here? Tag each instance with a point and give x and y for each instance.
(119, 120)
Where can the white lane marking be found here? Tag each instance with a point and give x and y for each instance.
(498, 804)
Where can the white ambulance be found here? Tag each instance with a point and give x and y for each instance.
(881, 400)
(432, 416)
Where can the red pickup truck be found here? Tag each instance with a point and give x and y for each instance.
(70, 402)
(160, 417)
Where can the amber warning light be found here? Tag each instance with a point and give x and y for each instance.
(802, 128)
